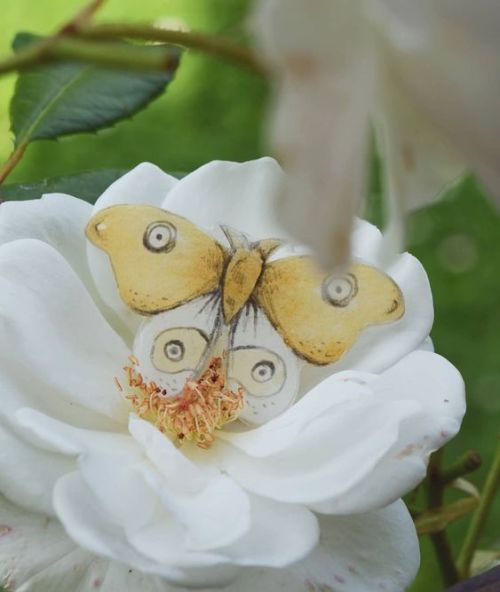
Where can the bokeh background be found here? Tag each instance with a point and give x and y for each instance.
(214, 111)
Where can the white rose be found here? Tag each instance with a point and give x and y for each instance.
(96, 498)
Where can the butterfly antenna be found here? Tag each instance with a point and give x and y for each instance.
(211, 302)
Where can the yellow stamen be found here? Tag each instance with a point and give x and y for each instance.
(204, 405)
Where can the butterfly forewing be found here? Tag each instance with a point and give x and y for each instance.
(160, 260)
(321, 317)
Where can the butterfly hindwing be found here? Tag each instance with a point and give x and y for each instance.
(321, 317)
(160, 260)
(172, 347)
(264, 366)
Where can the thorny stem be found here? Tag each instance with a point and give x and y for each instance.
(93, 45)
(440, 539)
(222, 48)
(101, 53)
(480, 515)
(34, 54)
(115, 55)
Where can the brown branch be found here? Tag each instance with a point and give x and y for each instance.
(82, 17)
(437, 519)
(12, 161)
(439, 539)
(466, 464)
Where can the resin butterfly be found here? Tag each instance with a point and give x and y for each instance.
(265, 311)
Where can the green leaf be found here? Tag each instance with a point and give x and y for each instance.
(88, 186)
(68, 98)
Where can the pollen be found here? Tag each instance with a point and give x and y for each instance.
(204, 406)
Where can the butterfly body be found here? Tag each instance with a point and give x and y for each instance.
(241, 275)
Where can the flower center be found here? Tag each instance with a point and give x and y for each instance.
(202, 407)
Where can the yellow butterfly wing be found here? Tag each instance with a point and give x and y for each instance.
(160, 260)
(321, 317)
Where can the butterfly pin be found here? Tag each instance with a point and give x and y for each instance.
(269, 311)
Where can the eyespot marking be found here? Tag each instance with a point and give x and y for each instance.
(340, 290)
(160, 237)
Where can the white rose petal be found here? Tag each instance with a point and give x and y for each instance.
(336, 448)
(27, 473)
(29, 544)
(361, 553)
(53, 329)
(58, 220)
(230, 193)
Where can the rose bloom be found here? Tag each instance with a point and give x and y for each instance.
(95, 497)
(423, 74)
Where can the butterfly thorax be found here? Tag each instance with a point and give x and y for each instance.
(243, 270)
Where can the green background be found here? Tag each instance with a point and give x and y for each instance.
(215, 111)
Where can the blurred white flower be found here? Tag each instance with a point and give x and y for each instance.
(96, 498)
(425, 75)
